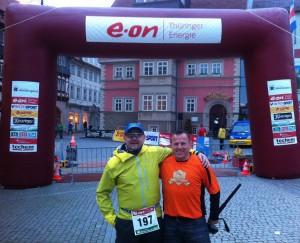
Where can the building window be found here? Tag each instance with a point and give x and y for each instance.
(72, 69)
(191, 70)
(118, 72)
(90, 95)
(85, 74)
(72, 92)
(162, 67)
(78, 93)
(148, 68)
(95, 77)
(147, 102)
(79, 71)
(161, 102)
(128, 104)
(95, 96)
(203, 68)
(129, 72)
(216, 68)
(84, 93)
(190, 104)
(117, 104)
(90, 75)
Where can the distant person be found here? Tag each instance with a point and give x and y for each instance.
(70, 128)
(183, 177)
(216, 126)
(134, 171)
(60, 130)
(202, 131)
(222, 136)
(85, 128)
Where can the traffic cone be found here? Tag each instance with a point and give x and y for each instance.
(56, 175)
(245, 170)
(73, 142)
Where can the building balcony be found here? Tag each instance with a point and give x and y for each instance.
(62, 96)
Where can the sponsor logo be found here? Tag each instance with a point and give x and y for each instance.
(152, 138)
(285, 141)
(23, 134)
(135, 31)
(23, 148)
(283, 116)
(22, 121)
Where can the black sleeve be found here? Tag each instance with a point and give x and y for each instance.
(214, 206)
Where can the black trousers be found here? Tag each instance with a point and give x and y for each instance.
(125, 233)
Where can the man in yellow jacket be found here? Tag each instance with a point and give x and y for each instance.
(134, 171)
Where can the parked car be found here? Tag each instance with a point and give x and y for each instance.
(240, 134)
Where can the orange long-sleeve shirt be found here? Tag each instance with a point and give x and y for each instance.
(182, 183)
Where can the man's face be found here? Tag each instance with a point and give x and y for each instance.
(134, 139)
(181, 146)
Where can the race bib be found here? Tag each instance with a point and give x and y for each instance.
(144, 220)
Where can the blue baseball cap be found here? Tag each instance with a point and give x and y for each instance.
(133, 125)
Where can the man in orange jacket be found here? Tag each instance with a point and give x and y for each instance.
(183, 176)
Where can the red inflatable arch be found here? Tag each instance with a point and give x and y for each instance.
(36, 35)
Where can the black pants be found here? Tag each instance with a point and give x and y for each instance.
(125, 233)
(221, 143)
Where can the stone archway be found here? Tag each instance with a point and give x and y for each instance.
(219, 111)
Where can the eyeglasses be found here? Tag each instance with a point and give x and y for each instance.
(134, 135)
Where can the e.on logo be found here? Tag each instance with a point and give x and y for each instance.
(153, 30)
(118, 30)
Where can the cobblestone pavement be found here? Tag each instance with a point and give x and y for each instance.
(263, 210)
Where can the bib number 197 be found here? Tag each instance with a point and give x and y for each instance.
(144, 220)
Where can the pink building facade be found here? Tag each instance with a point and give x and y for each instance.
(164, 95)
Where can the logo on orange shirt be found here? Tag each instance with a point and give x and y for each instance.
(179, 178)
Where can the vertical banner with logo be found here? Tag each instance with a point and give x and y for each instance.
(24, 116)
(282, 112)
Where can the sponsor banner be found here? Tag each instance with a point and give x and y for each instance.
(151, 138)
(25, 89)
(284, 141)
(279, 87)
(25, 107)
(284, 134)
(24, 113)
(118, 136)
(282, 112)
(24, 116)
(23, 141)
(281, 103)
(153, 30)
(25, 100)
(22, 147)
(284, 97)
(279, 109)
(165, 139)
(23, 134)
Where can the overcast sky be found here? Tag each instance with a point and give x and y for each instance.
(69, 3)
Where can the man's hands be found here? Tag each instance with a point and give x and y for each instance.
(204, 159)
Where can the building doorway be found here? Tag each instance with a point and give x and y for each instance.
(220, 112)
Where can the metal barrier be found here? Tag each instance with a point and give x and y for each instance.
(93, 160)
(87, 160)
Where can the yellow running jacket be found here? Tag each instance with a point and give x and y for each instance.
(136, 178)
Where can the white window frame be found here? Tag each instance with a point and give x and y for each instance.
(118, 72)
(191, 70)
(129, 72)
(203, 66)
(117, 104)
(216, 68)
(162, 68)
(147, 102)
(148, 68)
(190, 101)
(161, 98)
(78, 92)
(128, 104)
